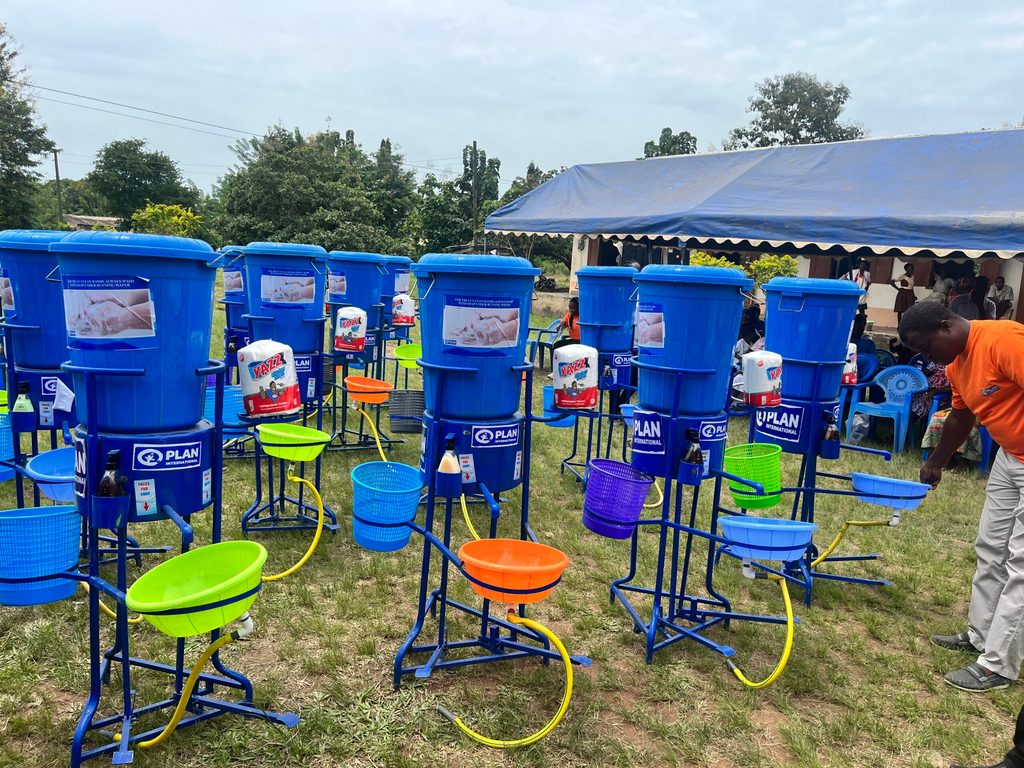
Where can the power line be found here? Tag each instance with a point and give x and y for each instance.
(137, 109)
(136, 117)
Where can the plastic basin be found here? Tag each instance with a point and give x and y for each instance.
(35, 542)
(504, 564)
(784, 540)
(195, 578)
(614, 498)
(54, 473)
(408, 354)
(627, 413)
(363, 389)
(759, 463)
(386, 496)
(291, 442)
(875, 489)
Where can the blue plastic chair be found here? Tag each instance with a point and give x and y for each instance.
(867, 367)
(545, 339)
(899, 383)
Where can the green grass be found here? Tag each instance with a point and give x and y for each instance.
(864, 687)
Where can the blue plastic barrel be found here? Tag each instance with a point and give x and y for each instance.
(358, 279)
(607, 307)
(136, 301)
(474, 314)
(808, 322)
(234, 301)
(397, 281)
(30, 286)
(285, 293)
(688, 318)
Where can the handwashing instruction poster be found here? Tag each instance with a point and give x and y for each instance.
(287, 286)
(402, 281)
(234, 284)
(6, 291)
(108, 307)
(337, 286)
(480, 322)
(650, 326)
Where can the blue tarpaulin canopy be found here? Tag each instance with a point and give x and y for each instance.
(948, 195)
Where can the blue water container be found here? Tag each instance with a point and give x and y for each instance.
(474, 314)
(396, 282)
(32, 299)
(234, 301)
(145, 302)
(809, 322)
(358, 279)
(607, 307)
(688, 318)
(285, 285)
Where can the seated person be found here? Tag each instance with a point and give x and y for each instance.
(974, 305)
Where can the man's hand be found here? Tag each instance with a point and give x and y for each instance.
(931, 474)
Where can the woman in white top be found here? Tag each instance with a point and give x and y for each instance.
(942, 286)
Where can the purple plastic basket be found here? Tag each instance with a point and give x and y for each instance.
(615, 498)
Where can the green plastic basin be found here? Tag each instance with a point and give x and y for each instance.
(292, 442)
(199, 577)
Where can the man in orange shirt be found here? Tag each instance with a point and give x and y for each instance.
(984, 362)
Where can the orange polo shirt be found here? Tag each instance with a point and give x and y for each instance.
(988, 380)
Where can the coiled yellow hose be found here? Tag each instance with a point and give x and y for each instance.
(842, 532)
(552, 723)
(786, 650)
(107, 610)
(376, 434)
(316, 536)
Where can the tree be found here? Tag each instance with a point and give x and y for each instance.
(322, 189)
(22, 140)
(163, 219)
(77, 196)
(128, 176)
(668, 143)
(796, 108)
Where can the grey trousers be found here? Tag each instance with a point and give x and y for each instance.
(996, 617)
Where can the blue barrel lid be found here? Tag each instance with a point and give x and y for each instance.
(356, 256)
(473, 264)
(813, 285)
(680, 273)
(288, 250)
(617, 272)
(133, 244)
(397, 260)
(30, 239)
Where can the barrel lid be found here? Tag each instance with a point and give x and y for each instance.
(617, 272)
(29, 239)
(133, 244)
(813, 285)
(356, 256)
(397, 260)
(681, 273)
(287, 250)
(473, 264)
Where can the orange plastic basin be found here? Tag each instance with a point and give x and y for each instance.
(366, 390)
(504, 564)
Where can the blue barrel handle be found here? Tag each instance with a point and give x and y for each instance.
(50, 276)
(785, 306)
(444, 368)
(429, 288)
(264, 318)
(236, 252)
(71, 368)
(16, 327)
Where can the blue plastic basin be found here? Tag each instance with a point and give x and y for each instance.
(875, 489)
(784, 540)
(54, 473)
(37, 542)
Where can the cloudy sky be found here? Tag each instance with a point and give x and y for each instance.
(556, 82)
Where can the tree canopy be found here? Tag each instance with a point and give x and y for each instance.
(796, 108)
(128, 176)
(22, 140)
(668, 143)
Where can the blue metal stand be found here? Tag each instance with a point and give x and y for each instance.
(599, 446)
(207, 701)
(497, 639)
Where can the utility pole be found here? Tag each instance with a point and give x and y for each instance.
(476, 190)
(60, 199)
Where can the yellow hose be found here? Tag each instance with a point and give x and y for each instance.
(316, 536)
(661, 497)
(553, 722)
(107, 610)
(376, 434)
(786, 650)
(839, 537)
(469, 523)
(186, 692)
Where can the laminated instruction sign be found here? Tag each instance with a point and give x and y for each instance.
(650, 325)
(234, 283)
(102, 307)
(480, 322)
(402, 280)
(287, 287)
(337, 286)
(6, 291)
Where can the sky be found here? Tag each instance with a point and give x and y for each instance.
(555, 82)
